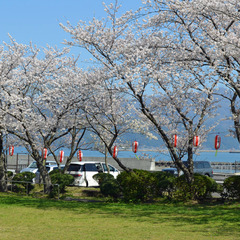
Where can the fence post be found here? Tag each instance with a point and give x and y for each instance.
(17, 163)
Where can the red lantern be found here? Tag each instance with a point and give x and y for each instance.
(196, 140)
(44, 153)
(134, 146)
(115, 152)
(79, 155)
(61, 156)
(174, 140)
(217, 142)
(11, 150)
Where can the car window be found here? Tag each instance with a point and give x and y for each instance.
(195, 165)
(91, 167)
(50, 163)
(104, 167)
(206, 165)
(33, 165)
(111, 168)
(75, 167)
(199, 165)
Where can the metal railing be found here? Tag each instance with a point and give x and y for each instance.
(11, 183)
(232, 167)
(16, 168)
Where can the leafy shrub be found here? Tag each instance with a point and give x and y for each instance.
(60, 179)
(9, 174)
(100, 177)
(164, 183)
(109, 186)
(231, 186)
(23, 180)
(199, 189)
(137, 186)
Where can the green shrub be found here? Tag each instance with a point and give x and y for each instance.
(164, 184)
(231, 187)
(199, 189)
(137, 186)
(109, 186)
(100, 177)
(9, 174)
(60, 181)
(23, 180)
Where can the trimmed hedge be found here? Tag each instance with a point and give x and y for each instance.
(201, 188)
(60, 179)
(164, 184)
(145, 186)
(135, 186)
(20, 179)
(109, 186)
(231, 187)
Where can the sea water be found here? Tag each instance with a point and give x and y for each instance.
(211, 156)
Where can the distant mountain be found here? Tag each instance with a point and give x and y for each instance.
(222, 129)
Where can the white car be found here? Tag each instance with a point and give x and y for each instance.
(83, 172)
(33, 166)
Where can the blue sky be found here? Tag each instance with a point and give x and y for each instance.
(38, 20)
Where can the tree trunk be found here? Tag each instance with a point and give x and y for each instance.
(106, 162)
(236, 116)
(41, 163)
(46, 178)
(3, 167)
(3, 176)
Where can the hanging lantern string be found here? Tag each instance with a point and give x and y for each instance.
(135, 148)
(115, 152)
(217, 143)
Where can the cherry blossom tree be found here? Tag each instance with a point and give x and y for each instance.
(10, 59)
(136, 54)
(39, 96)
(108, 113)
(204, 34)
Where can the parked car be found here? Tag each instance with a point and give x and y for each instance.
(201, 167)
(33, 166)
(83, 172)
(49, 168)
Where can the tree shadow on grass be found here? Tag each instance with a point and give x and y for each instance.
(222, 219)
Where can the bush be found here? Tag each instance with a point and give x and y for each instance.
(137, 186)
(199, 189)
(9, 174)
(164, 184)
(60, 179)
(100, 177)
(231, 186)
(23, 180)
(109, 186)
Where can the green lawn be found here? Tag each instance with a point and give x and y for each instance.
(25, 218)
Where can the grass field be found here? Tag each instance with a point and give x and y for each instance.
(23, 217)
